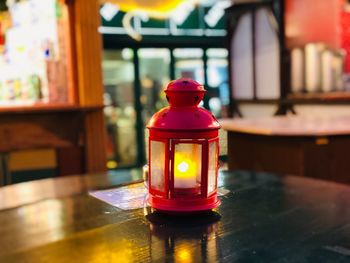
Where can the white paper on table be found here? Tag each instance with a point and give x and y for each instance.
(126, 197)
(131, 196)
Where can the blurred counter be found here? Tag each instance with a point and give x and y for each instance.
(305, 146)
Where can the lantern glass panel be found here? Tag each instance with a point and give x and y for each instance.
(157, 163)
(212, 166)
(187, 165)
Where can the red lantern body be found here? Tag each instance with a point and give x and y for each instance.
(183, 152)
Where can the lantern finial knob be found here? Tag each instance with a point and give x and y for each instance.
(184, 93)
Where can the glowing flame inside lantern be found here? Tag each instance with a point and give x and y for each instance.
(186, 170)
(183, 167)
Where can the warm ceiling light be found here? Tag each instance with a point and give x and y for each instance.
(155, 7)
(158, 9)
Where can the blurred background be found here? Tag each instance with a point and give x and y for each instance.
(79, 81)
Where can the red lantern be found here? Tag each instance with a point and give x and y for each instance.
(183, 152)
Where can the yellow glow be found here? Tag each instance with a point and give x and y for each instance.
(183, 254)
(154, 8)
(158, 9)
(185, 167)
(112, 164)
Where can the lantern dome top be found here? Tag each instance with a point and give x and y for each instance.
(183, 114)
(184, 84)
(184, 92)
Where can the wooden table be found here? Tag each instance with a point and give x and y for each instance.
(264, 218)
(306, 146)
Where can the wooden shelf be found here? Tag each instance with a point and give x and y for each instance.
(46, 108)
(336, 97)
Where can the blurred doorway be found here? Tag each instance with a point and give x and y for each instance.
(120, 112)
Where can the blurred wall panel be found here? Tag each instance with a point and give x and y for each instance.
(88, 47)
(313, 21)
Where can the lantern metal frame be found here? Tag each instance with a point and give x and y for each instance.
(174, 142)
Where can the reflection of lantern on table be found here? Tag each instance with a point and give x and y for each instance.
(183, 152)
(184, 238)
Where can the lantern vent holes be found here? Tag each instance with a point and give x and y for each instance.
(185, 81)
(196, 98)
(167, 98)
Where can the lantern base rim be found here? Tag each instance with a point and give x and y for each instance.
(184, 206)
(184, 213)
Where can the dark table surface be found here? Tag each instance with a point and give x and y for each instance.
(264, 218)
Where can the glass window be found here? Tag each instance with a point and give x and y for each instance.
(189, 64)
(187, 166)
(157, 163)
(217, 89)
(118, 79)
(242, 70)
(267, 56)
(154, 75)
(212, 166)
